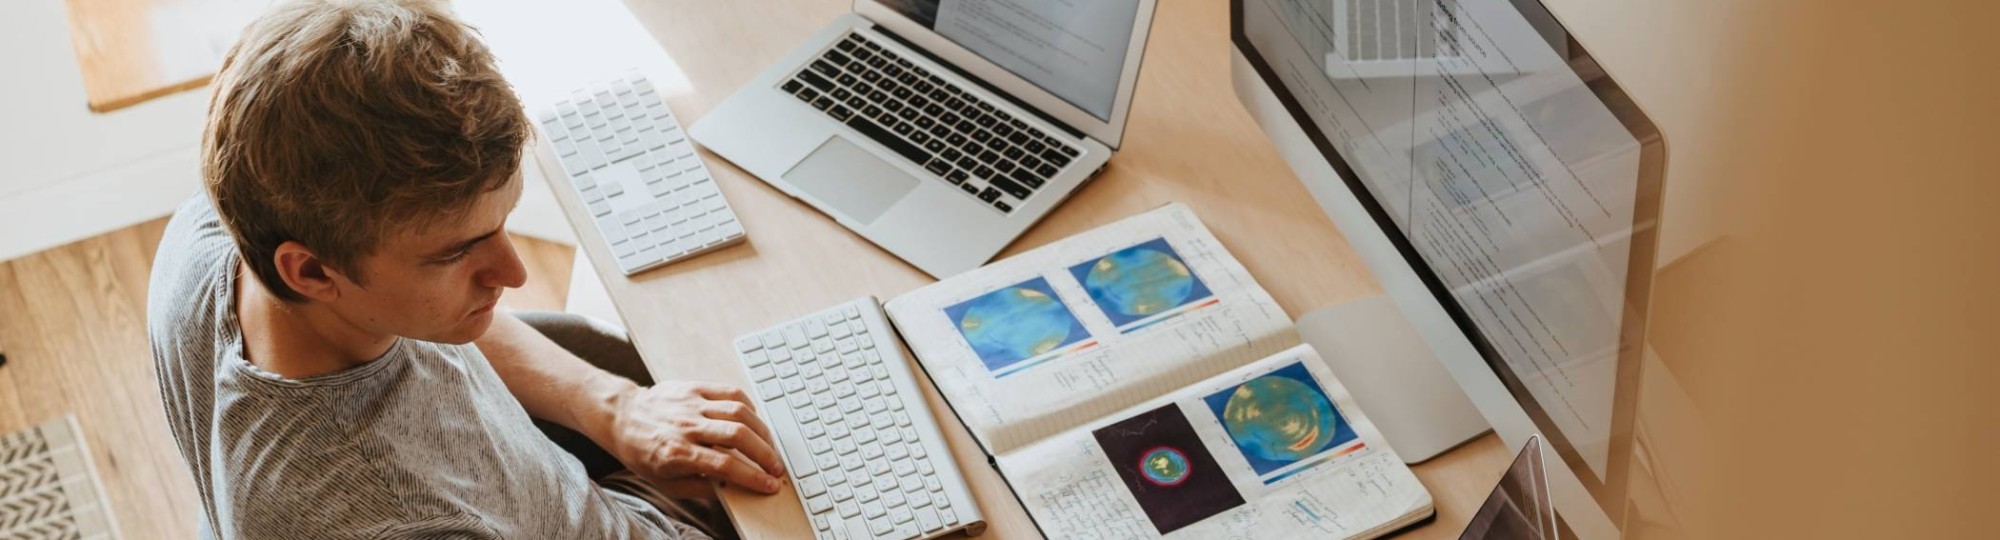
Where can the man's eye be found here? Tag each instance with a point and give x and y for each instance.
(455, 257)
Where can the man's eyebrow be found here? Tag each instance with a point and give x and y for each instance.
(463, 245)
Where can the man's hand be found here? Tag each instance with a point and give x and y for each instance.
(679, 434)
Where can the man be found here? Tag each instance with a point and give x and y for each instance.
(324, 324)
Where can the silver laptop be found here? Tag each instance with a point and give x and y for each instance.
(940, 129)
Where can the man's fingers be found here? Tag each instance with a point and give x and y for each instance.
(721, 465)
(737, 412)
(722, 392)
(743, 439)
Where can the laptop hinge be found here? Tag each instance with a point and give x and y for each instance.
(962, 74)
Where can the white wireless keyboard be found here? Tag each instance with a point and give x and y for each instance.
(866, 456)
(637, 173)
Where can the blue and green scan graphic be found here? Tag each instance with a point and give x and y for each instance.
(1164, 466)
(1140, 281)
(1016, 323)
(1280, 418)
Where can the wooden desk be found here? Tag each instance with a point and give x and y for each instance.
(1188, 141)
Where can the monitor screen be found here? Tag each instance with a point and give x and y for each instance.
(1075, 50)
(1512, 175)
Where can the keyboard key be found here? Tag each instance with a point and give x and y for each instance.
(1056, 158)
(969, 188)
(983, 171)
(1047, 171)
(989, 195)
(908, 150)
(938, 167)
(1010, 187)
(817, 81)
(956, 176)
(1027, 178)
(792, 86)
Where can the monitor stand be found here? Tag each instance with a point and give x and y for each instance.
(1386, 364)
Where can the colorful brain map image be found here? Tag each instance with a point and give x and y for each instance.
(1167, 468)
(1280, 418)
(1141, 281)
(1016, 323)
(1164, 466)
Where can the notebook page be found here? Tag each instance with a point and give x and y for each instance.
(1054, 337)
(1275, 449)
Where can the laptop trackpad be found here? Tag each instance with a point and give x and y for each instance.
(851, 180)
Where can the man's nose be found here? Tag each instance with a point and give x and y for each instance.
(507, 271)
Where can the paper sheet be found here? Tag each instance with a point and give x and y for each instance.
(1052, 338)
(1249, 454)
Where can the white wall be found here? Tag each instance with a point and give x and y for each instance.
(71, 174)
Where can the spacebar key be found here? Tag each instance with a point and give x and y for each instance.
(916, 154)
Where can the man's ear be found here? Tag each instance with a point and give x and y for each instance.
(306, 273)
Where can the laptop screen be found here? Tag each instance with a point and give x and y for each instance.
(1075, 50)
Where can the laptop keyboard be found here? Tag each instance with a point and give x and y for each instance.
(958, 136)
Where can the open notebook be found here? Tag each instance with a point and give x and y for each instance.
(1134, 381)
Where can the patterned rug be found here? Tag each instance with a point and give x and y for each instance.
(48, 487)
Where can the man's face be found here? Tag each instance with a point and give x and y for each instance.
(442, 283)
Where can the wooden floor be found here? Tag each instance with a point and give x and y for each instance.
(73, 329)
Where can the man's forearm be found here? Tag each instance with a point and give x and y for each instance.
(551, 383)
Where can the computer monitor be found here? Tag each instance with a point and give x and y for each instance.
(1503, 190)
